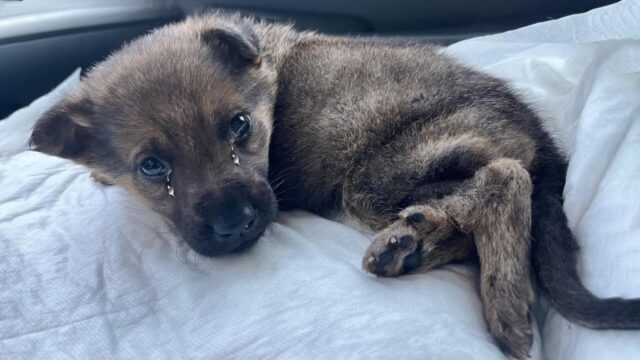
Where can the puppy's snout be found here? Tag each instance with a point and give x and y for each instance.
(229, 212)
(234, 220)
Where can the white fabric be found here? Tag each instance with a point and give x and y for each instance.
(87, 272)
(583, 73)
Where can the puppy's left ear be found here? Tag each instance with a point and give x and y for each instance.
(64, 131)
(240, 44)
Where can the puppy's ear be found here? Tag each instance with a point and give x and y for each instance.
(242, 45)
(64, 131)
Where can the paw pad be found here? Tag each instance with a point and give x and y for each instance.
(416, 218)
(387, 253)
(406, 241)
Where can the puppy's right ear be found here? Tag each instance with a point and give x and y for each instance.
(64, 131)
(240, 44)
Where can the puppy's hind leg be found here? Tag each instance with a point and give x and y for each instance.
(500, 223)
(494, 209)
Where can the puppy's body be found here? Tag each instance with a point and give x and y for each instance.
(444, 161)
(353, 113)
(388, 129)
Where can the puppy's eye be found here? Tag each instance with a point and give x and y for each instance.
(153, 167)
(239, 126)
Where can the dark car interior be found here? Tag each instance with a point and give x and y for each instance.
(43, 41)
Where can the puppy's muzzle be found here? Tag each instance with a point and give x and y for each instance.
(237, 219)
(232, 220)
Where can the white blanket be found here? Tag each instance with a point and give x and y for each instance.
(87, 272)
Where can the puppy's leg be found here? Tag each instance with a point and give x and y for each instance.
(498, 214)
(495, 209)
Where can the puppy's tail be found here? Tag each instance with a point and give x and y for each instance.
(555, 258)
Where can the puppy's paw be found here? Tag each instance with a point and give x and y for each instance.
(510, 325)
(427, 220)
(403, 246)
(102, 179)
(394, 251)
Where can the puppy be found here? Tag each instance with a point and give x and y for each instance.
(197, 118)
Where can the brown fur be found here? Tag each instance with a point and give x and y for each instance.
(446, 162)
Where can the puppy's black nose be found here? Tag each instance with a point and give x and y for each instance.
(229, 219)
(233, 221)
(228, 212)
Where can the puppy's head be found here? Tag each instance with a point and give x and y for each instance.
(165, 110)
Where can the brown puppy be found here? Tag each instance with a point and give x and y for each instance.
(444, 161)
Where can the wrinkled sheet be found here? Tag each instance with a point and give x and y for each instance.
(87, 272)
